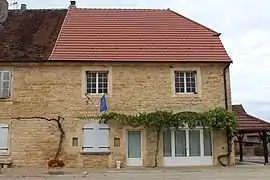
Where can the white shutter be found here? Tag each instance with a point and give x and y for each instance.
(103, 138)
(3, 138)
(89, 135)
(5, 84)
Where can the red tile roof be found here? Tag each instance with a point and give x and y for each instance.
(30, 34)
(248, 123)
(136, 35)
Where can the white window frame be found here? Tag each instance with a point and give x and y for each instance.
(2, 82)
(97, 82)
(95, 126)
(85, 69)
(7, 152)
(198, 128)
(185, 82)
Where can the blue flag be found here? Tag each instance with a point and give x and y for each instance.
(103, 105)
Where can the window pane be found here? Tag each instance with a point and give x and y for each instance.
(5, 93)
(6, 84)
(207, 143)
(6, 75)
(134, 144)
(182, 79)
(188, 90)
(102, 82)
(167, 145)
(180, 143)
(91, 79)
(190, 82)
(194, 143)
(182, 85)
(182, 90)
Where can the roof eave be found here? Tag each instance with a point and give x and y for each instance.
(98, 60)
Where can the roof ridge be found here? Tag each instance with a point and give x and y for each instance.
(215, 32)
(52, 9)
(139, 9)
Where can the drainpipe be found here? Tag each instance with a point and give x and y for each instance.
(226, 106)
(225, 85)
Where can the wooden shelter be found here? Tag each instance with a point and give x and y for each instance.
(247, 124)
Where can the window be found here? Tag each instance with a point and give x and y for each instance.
(4, 131)
(96, 82)
(5, 84)
(96, 138)
(187, 143)
(185, 82)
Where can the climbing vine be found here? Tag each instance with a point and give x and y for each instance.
(218, 119)
(58, 121)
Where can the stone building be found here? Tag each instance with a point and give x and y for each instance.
(142, 60)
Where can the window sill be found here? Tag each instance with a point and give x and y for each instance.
(186, 95)
(6, 100)
(95, 153)
(4, 154)
(97, 95)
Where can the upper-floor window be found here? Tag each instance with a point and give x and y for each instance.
(185, 82)
(5, 83)
(96, 82)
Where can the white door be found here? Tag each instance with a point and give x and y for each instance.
(187, 147)
(134, 148)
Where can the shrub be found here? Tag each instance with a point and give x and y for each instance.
(55, 163)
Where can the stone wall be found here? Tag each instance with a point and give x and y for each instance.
(53, 89)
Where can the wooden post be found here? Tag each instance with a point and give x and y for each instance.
(264, 139)
(240, 140)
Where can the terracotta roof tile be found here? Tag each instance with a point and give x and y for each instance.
(248, 123)
(136, 35)
(30, 34)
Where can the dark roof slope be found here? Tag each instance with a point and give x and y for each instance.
(239, 108)
(136, 35)
(247, 123)
(30, 34)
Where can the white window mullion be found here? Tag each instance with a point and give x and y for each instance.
(187, 142)
(202, 142)
(185, 82)
(173, 143)
(97, 83)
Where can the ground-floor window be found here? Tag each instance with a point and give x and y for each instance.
(4, 137)
(187, 143)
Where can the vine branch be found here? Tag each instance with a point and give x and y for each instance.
(60, 128)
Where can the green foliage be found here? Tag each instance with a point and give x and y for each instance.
(215, 119)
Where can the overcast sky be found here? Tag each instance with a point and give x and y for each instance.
(245, 29)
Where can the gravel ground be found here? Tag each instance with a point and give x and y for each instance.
(247, 172)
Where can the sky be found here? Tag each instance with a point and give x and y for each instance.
(245, 29)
